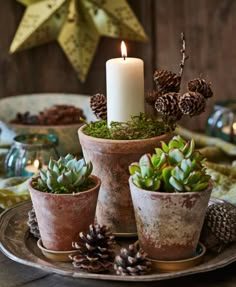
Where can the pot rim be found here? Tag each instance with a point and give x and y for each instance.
(97, 179)
(209, 187)
(80, 131)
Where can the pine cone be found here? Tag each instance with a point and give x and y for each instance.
(132, 262)
(152, 97)
(98, 104)
(167, 81)
(219, 227)
(33, 223)
(200, 86)
(192, 104)
(167, 105)
(95, 250)
(61, 115)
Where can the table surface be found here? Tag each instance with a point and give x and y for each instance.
(13, 274)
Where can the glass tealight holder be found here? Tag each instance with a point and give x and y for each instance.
(222, 122)
(29, 153)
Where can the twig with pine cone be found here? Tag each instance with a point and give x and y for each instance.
(167, 99)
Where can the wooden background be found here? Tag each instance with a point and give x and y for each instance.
(209, 26)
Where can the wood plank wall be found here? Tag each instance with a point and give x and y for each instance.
(209, 26)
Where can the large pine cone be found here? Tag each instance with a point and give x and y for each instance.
(98, 104)
(167, 81)
(95, 250)
(192, 104)
(219, 227)
(200, 86)
(132, 262)
(33, 223)
(167, 105)
(61, 115)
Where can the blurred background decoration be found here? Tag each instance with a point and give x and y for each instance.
(222, 122)
(29, 153)
(210, 44)
(77, 25)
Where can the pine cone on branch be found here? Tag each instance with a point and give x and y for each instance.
(167, 105)
(192, 104)
(98, 104)
(167, 81)
(152, 97)
(219, 227)
(95, 250)
(33, 223)
(200, 86)
(132, 262)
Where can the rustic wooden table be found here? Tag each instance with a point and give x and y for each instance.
(13, 274)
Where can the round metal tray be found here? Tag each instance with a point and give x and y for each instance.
(18, 245)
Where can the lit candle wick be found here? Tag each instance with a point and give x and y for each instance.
(123, 50)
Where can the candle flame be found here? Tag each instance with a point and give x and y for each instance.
(36, 163)
(123, 50)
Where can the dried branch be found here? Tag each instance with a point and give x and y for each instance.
(184, 57)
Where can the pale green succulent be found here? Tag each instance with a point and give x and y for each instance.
(66, 175)
(175, 167)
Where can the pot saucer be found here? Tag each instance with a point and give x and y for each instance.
(178, 265)
(55, 255)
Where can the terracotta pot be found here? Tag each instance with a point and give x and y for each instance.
(62, 216)
(111, 159)
(169, 224)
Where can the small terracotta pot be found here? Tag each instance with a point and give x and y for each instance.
(169, 224)
(62, 216)
(111, 159)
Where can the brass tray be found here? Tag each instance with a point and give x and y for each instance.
(16, 243)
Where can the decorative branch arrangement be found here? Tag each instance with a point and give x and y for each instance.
(166, 99)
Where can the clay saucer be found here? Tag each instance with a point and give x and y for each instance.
(55, 255)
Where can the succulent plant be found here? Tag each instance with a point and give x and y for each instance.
(66, 175)
(174, 167)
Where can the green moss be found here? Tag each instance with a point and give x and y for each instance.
(139, 127)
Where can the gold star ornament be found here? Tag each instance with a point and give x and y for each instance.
(77, 25)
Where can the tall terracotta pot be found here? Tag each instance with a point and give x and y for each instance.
(169, 224)
(62, 216)
(111, 159)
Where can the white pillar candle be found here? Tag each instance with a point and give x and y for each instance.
(125, 88)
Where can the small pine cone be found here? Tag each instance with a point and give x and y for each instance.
(152, 97)
(33, 223)
(167, 105)
(132, 262)
(167, 81)
(200, 86)
(95, 250)
(192, 104)
(98, 104)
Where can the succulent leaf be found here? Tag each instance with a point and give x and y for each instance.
(175, 156)
(164, 147)
(176, 184)
(146, 165)
(134, 167)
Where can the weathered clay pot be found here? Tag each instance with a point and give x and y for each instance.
(169, 224)
(111, 159)
(62, 216)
